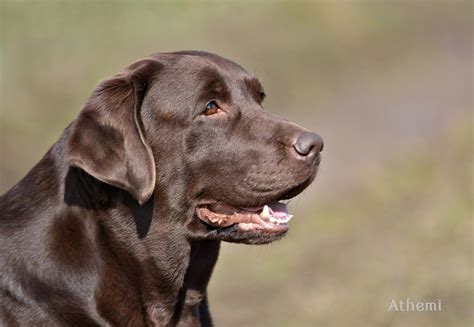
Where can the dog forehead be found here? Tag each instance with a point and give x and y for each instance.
(192, 63)
(185, 74)
(207, 58)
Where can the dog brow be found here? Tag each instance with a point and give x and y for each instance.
(213, 86)
(255, 88)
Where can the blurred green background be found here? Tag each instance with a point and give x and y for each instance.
(387, 84)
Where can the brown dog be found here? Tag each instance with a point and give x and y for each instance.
(120, 222)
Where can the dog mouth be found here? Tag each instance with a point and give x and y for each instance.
(272, 217)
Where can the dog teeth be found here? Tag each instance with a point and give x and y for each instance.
(266, 213)
(283, 220)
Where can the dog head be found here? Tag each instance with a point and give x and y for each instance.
(188, 130)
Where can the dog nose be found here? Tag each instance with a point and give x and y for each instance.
(308, 144)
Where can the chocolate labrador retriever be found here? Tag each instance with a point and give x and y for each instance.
(120, 223)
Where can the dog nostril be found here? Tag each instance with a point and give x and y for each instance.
(308, 143)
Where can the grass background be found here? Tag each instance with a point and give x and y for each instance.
(387, 84)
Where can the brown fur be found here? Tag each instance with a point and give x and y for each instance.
(103, 230)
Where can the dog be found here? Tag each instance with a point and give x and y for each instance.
(120, 222)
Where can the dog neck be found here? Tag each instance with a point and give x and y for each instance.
(168, 272)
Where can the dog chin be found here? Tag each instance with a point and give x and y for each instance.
(234, 234)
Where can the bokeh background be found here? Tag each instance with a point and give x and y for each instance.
(387, 84)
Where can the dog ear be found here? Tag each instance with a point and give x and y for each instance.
(107, 138)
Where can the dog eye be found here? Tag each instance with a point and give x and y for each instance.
(262, 95)
(212, 108)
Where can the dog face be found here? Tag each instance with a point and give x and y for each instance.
(190, 128)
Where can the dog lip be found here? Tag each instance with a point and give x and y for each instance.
(271, 218)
